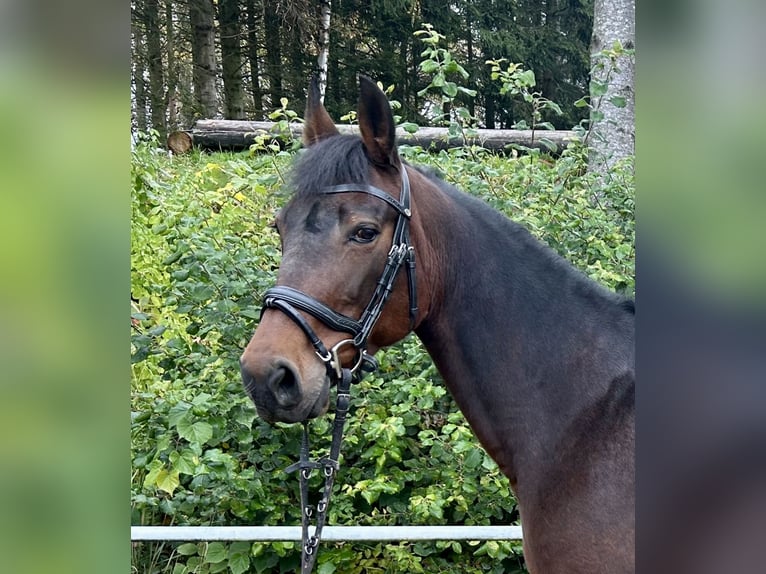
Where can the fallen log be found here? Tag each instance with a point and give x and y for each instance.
(239, 135)
(179, 142)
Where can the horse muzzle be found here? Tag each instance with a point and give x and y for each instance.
(280, 394)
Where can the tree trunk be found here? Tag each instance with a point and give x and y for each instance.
(201, 13)
(273, 52)
(614, 135)
(252, 56)
(154, 57)
(324, 45)
(471, 102)
(489, 110)
(139, 69)
(172, 76)
(234, 96)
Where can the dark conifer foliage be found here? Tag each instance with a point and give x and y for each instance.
(239, 58)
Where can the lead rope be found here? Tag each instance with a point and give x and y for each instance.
(329, 465)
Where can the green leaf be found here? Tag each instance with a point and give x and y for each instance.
(410, 127)
(187, 549)
(429, 66)
(201, 292)
(549, 105)
(201, 399)
(451, 67)
(473, 459)
(155, 468)
(582, 103)
(216, 552)
(527, 78)
(239, 557)
(326, 568)
(245, 417)
(167, 481)
(170, 259)
(450, 88)
(618, 101)
(598, 89)
(199, 432)
(548, 144)
(250, 313)
(220, 567)
(185, 462)
(178, 412)
(370, 495)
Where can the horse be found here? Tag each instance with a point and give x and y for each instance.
(538, 357)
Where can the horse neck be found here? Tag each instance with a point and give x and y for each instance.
(523, 342)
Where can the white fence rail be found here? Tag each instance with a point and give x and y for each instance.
(329, 533)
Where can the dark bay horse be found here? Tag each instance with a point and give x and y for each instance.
(539, 358)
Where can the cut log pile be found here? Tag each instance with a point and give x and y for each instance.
(239, 135)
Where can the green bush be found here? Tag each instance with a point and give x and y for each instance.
(202, 256)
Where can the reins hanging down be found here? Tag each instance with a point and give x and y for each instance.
(329, 466)
(292, 301)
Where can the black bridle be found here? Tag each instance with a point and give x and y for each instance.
(292, 302)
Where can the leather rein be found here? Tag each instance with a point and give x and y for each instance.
(292, 302)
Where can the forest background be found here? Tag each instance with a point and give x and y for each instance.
(237, 59)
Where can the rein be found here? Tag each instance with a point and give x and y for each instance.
(292, 301)
(329, 465)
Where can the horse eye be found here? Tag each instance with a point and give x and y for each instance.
(364, 235)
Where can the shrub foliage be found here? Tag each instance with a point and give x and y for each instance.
(202, 256)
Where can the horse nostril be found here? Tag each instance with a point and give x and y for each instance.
(283, 383)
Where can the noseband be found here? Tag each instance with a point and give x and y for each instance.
(290, 301)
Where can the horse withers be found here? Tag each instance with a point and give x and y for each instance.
(539, 358)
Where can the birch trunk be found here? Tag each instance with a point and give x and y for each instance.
(614, 135)
(324, 46)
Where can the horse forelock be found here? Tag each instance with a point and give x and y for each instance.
(333, 161)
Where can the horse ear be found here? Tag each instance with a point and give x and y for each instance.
(317, 123)
(376, 122)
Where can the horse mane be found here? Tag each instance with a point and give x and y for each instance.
(523, 235)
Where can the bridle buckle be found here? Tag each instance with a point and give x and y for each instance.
(334, 360)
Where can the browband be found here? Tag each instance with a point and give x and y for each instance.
(370, 190)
